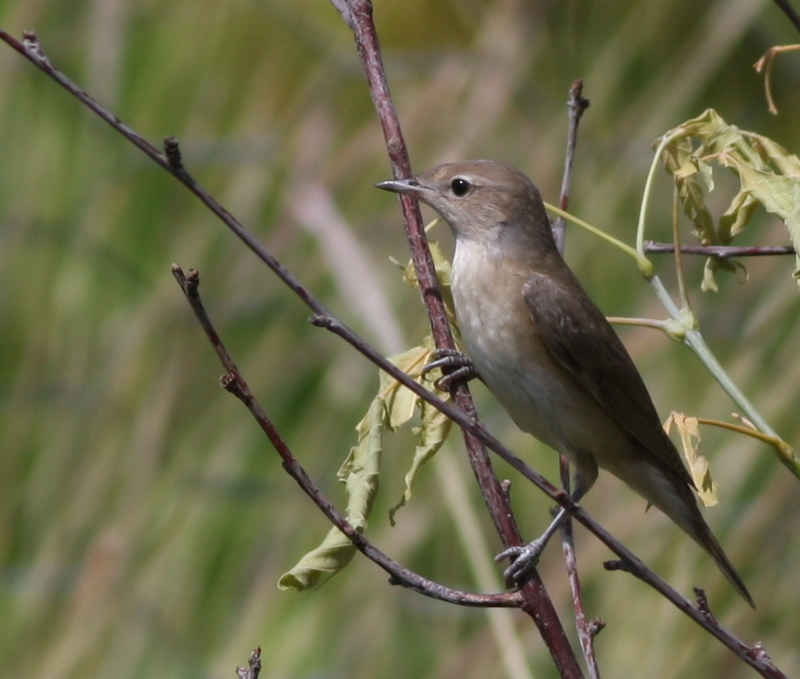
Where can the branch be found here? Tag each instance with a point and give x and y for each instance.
(789, 11)
(358, 16)
(576, 105)
(234, 382)
(587, 630)
(721, 251)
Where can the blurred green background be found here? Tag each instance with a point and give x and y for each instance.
(144, 520)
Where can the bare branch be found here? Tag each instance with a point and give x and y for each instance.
(253, 668)
(234, 382)
(358, 15)
(587, 630)
(721, 251)
(577, 105)
(789, 11)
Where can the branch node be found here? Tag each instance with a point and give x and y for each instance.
(505, 487)
(172, 152)
(701, 601)
(230, 383)
(618, 565)
(30, 41)
(254, 666)
(189, 282)
(759, 653)
(595, 626)
(577, 102)
(321, 321)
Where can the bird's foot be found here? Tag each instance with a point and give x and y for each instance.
(460, 365)
(525, 558)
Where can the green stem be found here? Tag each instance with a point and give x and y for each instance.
(694, 340)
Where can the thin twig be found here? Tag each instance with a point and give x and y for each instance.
(789, 11)
(577, 105)
(234, 382)
(587, 630)
(721, 251)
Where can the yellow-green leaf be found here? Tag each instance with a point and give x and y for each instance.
(689, 433)
(359, 473)
(768, 174)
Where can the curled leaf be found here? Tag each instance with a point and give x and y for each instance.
(768, 175)
(431, 433)
(689, 433)
(359, 473)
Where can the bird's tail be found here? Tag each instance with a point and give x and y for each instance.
(702, 534)
(681, 507)
(673, 496)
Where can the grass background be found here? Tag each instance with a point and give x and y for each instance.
(144, 521)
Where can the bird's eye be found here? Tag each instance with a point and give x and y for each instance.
(460, 186)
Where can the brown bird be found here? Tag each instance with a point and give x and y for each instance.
(546, 352)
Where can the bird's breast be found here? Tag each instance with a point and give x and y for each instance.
(501, 338)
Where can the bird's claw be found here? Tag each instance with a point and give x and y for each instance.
(462, 368)
(525, 558)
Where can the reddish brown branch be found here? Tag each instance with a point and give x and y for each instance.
(537, 603)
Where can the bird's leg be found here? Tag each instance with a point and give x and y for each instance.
(463, 369)
(526, 556)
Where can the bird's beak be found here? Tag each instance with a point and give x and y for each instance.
(409, 187)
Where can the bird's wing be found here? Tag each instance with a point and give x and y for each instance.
(579, 337)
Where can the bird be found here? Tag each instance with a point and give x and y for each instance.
(546, 351)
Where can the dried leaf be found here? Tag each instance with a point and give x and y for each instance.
(393, 407)
(431, 434)
(689, 433)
